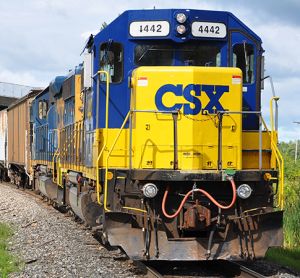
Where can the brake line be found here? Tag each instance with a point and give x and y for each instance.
(203, 192)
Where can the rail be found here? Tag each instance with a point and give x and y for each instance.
(247, 272)
(129, 116)
(274, 148)
(174, 114)
(216, 268)
(71, 134)
(280, 163)
(220, 127)
(72, 151)
(56, 153)
(97, 126)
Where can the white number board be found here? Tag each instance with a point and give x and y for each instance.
(209, 29)
(149, 28)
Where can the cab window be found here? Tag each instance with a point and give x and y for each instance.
(243, 58)
(111, 60)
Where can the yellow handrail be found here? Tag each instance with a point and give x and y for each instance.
(70, 141)
(106, 130)
(56, 152)
(106, 167)
(64, 149)
(280, 160)
(107, 158)
(272, 117)
(280, 163)
(55, 155)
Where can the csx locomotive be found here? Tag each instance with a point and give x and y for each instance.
(157, 140)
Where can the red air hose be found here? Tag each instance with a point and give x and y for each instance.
(203, 192)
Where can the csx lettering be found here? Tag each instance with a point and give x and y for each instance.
(214, 93)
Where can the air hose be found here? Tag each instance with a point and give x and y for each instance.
(203, 192)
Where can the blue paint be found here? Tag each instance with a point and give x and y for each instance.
(118, 32)
(176, 90)
(214, 97)
(187, 110)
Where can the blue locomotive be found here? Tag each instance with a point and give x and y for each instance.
(158, 142)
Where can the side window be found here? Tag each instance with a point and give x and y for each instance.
(243, 58)
(111, 60)
(88, 105)
(43, 108)
(69, 111)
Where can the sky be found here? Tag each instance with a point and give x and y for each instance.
(41, 39)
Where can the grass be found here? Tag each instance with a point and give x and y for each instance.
(289, 256)
(292, 214)
(8, 263)
(285, 257)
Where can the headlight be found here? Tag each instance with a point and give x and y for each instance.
(150, 190)
(244, 191)
(181, 18)
(181, 29)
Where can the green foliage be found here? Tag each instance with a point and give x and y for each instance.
(285, 257)
(289, 255)
(7, 263)
(292, 195)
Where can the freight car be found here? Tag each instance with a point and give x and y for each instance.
(4, 103)
(158, 141)
(19, 137)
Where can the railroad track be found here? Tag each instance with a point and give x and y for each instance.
(247, 272)
(197, 269)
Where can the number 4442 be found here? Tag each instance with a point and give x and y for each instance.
(211, 29)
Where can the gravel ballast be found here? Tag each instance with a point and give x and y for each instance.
(52, 245)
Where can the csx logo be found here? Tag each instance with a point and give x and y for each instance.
(214, 93)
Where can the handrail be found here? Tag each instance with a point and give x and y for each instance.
(107, 158)
(70, 141)
(174, 114)
(56, 152)
(59, 153)
(106, 128)
(55, 155)
(280, 163)
(220, 116)
(275, 150)
(272, 116)
(112, 148)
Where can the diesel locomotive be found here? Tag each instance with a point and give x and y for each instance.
(157, 139)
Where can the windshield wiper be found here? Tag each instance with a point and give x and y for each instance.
(144, 53)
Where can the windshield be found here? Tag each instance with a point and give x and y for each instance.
(185, 55)
(153, 55)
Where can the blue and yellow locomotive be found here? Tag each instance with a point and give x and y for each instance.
(158, 142)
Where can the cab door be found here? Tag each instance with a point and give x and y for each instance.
(244, 55)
